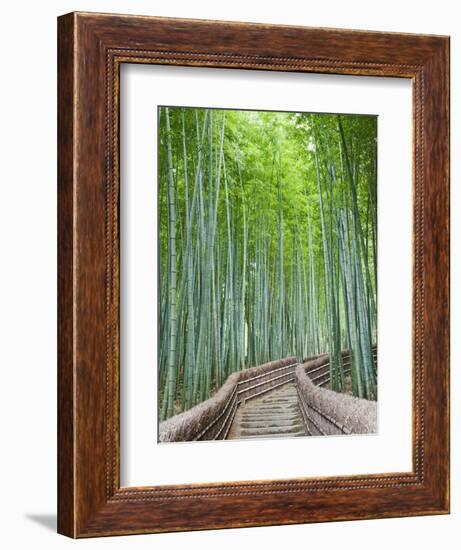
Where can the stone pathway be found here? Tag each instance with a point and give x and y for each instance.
(273, 415)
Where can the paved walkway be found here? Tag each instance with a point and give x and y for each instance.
(275, 414)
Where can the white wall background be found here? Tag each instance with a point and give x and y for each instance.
(28, 270)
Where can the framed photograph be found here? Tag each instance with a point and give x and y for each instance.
(253, 322)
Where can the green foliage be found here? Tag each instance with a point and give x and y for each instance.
(267, 238)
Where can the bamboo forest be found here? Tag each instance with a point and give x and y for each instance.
(267, 236)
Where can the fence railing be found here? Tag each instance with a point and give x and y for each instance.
(320, 375)
(213, 418)
(262, 383)
(326, 412)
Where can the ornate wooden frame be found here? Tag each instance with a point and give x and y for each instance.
(91, 48)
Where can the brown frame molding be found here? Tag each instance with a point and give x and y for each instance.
(91, 48)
